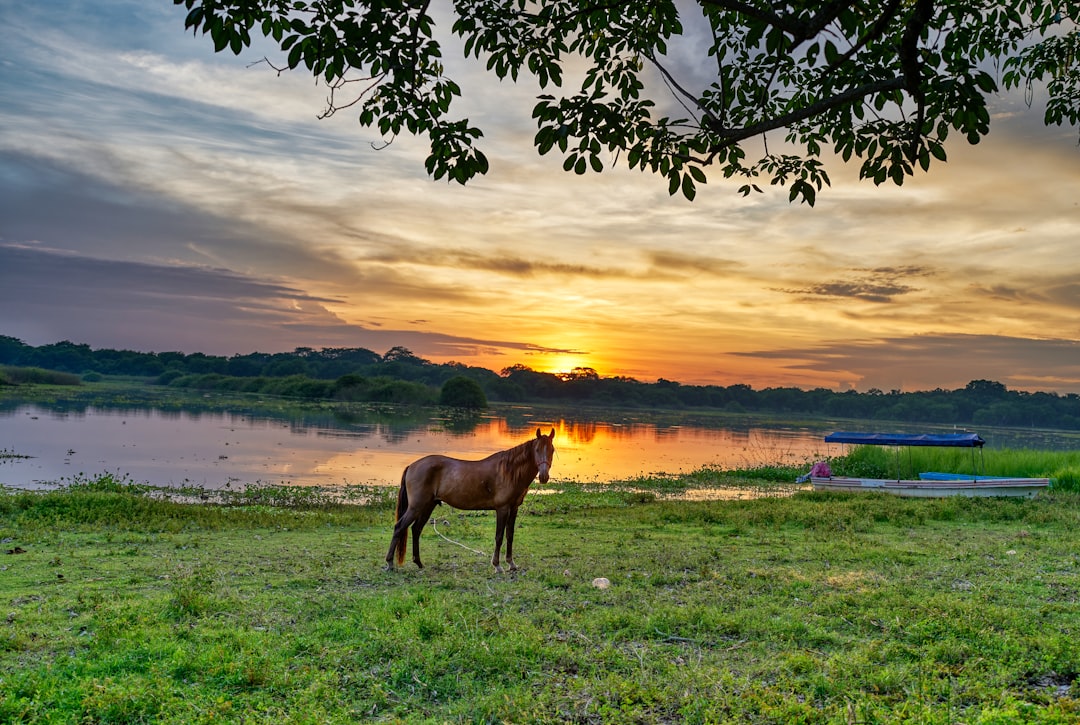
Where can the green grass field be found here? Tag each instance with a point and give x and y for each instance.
(116, 607)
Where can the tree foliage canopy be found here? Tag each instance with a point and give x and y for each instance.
(401, 377)
(883, 81)
(462, 392)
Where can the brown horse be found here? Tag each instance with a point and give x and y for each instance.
(499, 483)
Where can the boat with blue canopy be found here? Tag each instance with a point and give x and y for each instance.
(950, 440)
(930, 484)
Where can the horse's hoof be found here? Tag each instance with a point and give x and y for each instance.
(498, 569)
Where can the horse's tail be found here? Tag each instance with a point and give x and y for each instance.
(402, 505)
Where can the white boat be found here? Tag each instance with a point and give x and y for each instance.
(928, 485)
(921, 488)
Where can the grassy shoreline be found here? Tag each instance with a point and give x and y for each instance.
(122, 608)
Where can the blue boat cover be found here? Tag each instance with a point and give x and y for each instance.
(958, 440)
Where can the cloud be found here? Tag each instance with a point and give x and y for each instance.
(876, 285)
(48, 295)
(678, 263)
(55, 204)
(927, 362)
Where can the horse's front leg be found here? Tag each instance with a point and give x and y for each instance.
(511, 521)
(501, 515)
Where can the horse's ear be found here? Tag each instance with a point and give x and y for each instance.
(538, 433)
(552, 436)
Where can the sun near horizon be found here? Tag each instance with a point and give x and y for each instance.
(563, 364)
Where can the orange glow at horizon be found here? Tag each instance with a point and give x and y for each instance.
(562, 363)
(647, 364)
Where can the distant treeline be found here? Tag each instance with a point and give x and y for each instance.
(399, 376)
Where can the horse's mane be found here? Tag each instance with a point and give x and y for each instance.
(516, 462)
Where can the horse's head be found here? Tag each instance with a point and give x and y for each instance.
(543, 451)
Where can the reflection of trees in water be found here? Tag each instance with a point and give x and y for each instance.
(587, 431)
(584, 432)
(589, 426)
(666, 432)
(389, 434)
(462, 422)
(395, 424)
(391, 423)
(392, 433)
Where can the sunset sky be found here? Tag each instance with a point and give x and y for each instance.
(155, 196)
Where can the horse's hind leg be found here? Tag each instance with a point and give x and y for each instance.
(399, 539)
(403, 513)
(417, 529)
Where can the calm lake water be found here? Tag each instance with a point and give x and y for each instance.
(215, 449)
(179, 447)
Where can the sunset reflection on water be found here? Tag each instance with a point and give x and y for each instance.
(214, 450)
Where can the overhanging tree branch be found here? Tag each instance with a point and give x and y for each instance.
(842, 71)
(798, 28)
(729, 136)
(909, 61)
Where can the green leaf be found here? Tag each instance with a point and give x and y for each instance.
(688, 188)
(924, 159)
(832, 55)
(295, 55)
(221, 40)
(194, 18)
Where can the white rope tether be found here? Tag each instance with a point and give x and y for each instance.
(456, 543)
